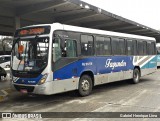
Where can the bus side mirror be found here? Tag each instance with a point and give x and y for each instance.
(62, 40)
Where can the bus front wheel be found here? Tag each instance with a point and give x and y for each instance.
(85, 85)
(136, 76)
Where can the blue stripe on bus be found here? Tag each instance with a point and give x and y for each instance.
(101, 65)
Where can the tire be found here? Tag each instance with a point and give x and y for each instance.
(136, 76)
(85, 85)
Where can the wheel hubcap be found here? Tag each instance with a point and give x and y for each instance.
(85, 85)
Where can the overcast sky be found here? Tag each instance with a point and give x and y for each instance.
(146, 12)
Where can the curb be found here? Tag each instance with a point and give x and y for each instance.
(5, 92)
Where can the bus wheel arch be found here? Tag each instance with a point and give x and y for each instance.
(86, 83)
(138, 69)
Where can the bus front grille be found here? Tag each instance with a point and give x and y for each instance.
(28, 88)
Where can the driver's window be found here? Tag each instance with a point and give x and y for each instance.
(68, 50)
(56, 50)
(71, 48)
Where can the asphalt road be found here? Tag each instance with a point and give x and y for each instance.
(113, 97)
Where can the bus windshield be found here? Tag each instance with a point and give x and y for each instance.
(30, 54)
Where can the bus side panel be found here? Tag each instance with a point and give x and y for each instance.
(114, 68)
(147, 64)
(75, 69)
(158, 60)
(139, 61)
(152, 64)
(68, 76)
(128, 74)
(105, 69)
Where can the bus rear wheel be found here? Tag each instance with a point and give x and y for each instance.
(85, 85)
(136, 76)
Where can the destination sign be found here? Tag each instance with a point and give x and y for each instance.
(33, 31)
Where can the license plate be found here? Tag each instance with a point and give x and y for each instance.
(23, 91)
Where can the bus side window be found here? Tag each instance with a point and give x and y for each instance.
(100, 45)
(87, 45)
(153, 48)
(122, 46)
(144, 47)
(71, 48)
(57, 53)
(129, 47)
(140, 48)
(103, 46)
(107, 46)
(115, 47)
(134, 47)
(149, 48)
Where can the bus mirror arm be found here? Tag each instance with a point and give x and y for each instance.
(14, 42)
(62, 44)
(62, 40)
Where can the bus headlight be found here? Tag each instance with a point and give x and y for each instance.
(43, 79)
(14, 79)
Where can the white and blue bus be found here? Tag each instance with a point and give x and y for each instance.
(158, 54)
(55, 58)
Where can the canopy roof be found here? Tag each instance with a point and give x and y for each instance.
(72, 12)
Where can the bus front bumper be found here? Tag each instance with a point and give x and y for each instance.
(43, 89)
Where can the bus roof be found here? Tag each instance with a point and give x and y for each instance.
(94, 31)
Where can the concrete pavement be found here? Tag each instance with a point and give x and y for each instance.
(5, 86)
(113, 97)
